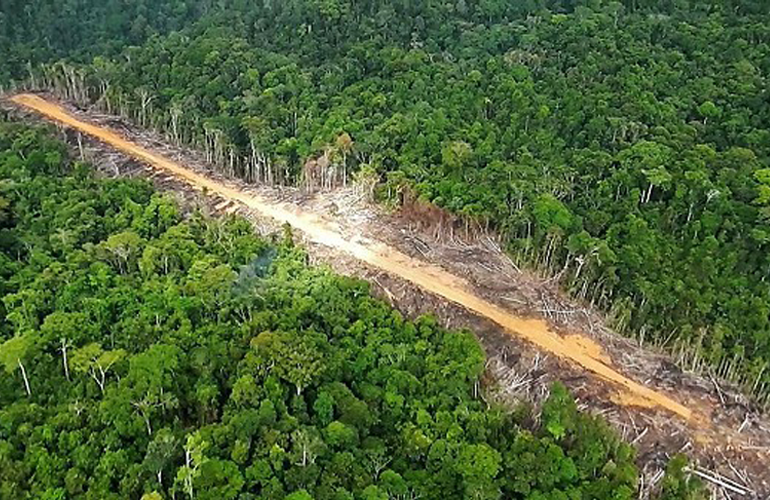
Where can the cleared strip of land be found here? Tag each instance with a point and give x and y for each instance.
(428, 277)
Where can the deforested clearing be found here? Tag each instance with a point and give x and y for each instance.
(429, 277)
(691, 407)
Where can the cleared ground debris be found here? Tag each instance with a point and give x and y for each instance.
(382, 256)
(637, 400)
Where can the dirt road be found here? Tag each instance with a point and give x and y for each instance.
(578, 350)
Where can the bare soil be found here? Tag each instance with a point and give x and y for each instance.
(532, 333)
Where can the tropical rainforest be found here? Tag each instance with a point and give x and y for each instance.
(150, 355)
(619, 147)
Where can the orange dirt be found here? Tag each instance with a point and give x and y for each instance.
(589, 346)
(575, 348)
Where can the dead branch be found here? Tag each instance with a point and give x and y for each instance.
(640, 436)
(721, 481)
(391, 297)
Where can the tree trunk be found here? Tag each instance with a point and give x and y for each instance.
(80, 147)
(64, 358)
(24, 376)
(188, 484)
(649, 194)
(99, 379)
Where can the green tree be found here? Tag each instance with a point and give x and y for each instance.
(13, 353)
(194, 457)
(479, 464)
(94, 361)
(678, 484)
(160, 453)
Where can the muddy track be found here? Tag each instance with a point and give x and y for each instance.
(579, 352)
(426, 276)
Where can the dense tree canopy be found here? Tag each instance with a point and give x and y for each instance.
(34, 31)
(624, 146)
(155, 356)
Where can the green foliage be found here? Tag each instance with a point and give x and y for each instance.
(36, 31)
(299, 495)
(680, 485)
(14, 350)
